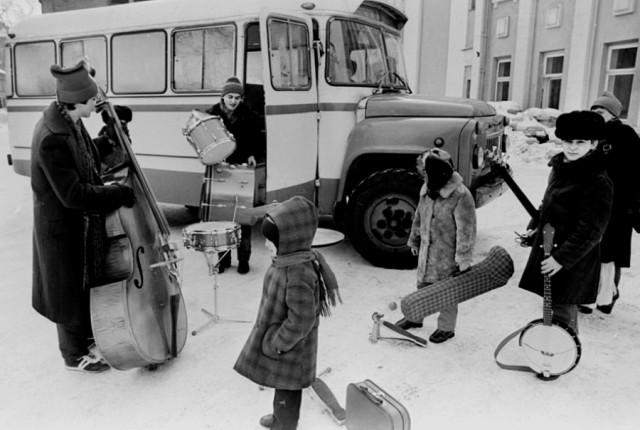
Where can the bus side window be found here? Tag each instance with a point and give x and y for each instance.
(93, 49)
(289, 55)
(32, 69)
(203, 58)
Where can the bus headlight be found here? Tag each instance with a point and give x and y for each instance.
(478, 157)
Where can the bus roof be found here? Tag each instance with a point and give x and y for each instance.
(149, 14)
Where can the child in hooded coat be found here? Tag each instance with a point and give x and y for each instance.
(443, 233)
(299, 286)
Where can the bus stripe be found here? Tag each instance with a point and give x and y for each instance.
(271, 109)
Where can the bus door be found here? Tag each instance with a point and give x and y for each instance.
(291, 105)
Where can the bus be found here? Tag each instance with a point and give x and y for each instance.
(327, 78)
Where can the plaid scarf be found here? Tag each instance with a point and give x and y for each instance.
(94, 223)
(326, 279)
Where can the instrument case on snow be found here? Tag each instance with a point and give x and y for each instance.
(369, 407)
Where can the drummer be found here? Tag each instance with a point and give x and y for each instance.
(246, 128)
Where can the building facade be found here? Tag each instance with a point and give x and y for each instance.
(558, 54)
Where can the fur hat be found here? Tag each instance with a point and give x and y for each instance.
(74, 84)
(580, 125)
(609, 102)
(270, 230)
(233, 85)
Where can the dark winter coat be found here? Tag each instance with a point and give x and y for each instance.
(246, 128)
(444, 230)
(60, 198)
(621, 149)
(281, 350)
(577, 203)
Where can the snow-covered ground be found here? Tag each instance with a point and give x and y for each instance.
(454, 385)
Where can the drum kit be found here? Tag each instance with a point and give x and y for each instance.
(212, 238)
(213, 143)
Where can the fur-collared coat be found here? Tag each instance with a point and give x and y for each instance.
(281, 350)
(577, 203)
(60, 199)
(621, 151)
(444, 230)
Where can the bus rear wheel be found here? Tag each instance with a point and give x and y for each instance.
(379, 216)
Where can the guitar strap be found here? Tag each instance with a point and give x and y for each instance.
(502, 345)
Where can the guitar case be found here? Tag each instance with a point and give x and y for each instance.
(491, 273)
(369, 407)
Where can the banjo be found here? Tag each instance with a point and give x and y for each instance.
(551, 347)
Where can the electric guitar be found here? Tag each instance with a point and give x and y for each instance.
(551, 347)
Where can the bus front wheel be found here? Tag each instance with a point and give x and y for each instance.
(379, 216)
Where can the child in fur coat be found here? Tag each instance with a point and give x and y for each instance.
(443, 233)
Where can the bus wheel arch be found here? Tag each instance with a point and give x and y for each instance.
(379, 214)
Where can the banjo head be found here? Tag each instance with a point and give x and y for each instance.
(552, 349)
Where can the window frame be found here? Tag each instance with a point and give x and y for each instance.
(547, 78)
(172, 58)
(289, 22)
(610, 73)
(112, 62)
(44, 71)
(502, 79)
(106, 53)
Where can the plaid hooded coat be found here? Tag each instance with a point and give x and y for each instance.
(281, 350)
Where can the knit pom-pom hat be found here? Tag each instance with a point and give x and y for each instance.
(74, 84)
(610, 102)
(233, 85)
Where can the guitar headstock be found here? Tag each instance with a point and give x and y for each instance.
(548, 231)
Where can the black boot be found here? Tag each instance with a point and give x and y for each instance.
(405, 324)
(225, 261)
(243, 267)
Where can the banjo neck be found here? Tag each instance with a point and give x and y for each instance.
(548, 232)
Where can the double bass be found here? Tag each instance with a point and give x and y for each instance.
(138, 314)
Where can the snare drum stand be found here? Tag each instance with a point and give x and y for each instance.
(211, 255)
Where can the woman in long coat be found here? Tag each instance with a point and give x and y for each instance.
(577, 203)
(621, 152)
(69, 201)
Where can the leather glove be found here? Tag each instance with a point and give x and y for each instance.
(128, 196)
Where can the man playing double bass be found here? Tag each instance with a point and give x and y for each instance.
(69, 205)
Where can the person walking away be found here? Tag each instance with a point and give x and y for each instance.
(620, 149)
(299, 287)
(577, 203)
(443, 233)
(69, 206)
(245, 126)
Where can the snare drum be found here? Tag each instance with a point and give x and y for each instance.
(209, 137)
(212, 236)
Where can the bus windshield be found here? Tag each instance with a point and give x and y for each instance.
(361, 54)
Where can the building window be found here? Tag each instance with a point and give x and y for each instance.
(472, 5)
(621, 62)
(503, 78)
(552, 80)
